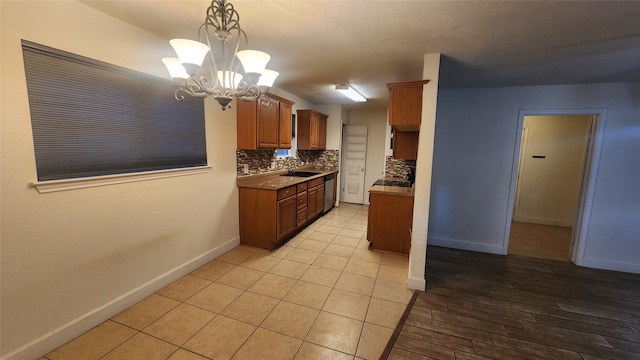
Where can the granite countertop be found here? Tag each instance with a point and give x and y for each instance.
(392, 190)
(273, 180)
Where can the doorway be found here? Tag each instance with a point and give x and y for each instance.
(551, 167)
(354, 163)
(556, 157)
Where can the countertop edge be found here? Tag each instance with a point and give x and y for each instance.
(274, 180)
(392, 190)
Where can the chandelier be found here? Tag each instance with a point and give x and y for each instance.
(212, 65)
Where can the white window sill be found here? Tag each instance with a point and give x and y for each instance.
(81, 183)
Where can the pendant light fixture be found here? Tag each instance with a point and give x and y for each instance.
(216, 66)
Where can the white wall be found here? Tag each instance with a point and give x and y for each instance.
(474, 150)
(376, 121)
(71, 259)
(334, 125)
(424, 170)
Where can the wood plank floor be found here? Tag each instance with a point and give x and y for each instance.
(483, 306)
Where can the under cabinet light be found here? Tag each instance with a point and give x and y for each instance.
(351, 93)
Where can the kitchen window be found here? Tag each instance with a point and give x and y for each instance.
(90, 118)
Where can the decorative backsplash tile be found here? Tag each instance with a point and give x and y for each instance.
(260, 161)
(398, 168)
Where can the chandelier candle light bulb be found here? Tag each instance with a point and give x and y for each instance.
(200, 75)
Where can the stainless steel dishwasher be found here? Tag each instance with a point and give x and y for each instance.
(329, 182)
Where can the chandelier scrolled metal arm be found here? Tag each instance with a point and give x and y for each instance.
(212, 66)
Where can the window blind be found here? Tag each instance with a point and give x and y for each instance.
(91, 118)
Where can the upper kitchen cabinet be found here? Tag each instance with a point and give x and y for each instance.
(405, 145)
(405, 105)
(261, 127)
(312, 130)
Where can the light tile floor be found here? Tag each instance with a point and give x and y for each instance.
(323, 295)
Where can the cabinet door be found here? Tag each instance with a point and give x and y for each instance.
(319, 200)
(286, 216)
(322, 133)
(405, 145)
(284, 138)
(312, 201)
(405, 104)
(313, 131)
(268, 121)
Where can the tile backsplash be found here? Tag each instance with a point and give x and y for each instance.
(398, 168)
(260, 161)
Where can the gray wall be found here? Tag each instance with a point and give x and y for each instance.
(475, 144)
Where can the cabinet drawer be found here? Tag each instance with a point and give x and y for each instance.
(315, 182)
(286, 192)
(302, 217)
(302, 200)
(302, 187)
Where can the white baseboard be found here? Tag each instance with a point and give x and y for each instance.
(465, 245)
(611, 265)
(78, 326)
(417, 284)
(544, 221)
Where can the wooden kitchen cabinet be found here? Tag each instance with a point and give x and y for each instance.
(389, 222)
(260, 127)
(270, 217)
(312, 130)
(286, 217)
(405, 145)
(284, 138)
(315, 200)
(405, 105)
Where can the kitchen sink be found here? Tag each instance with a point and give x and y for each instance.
(300, 173)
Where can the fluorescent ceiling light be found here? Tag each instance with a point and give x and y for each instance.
(351, 93)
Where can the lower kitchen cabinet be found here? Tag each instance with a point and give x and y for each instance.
(286, 217)
(389, 223)
(315, 199)
(270, 217)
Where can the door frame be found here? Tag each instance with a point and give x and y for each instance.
(585, 202)
(343, 164)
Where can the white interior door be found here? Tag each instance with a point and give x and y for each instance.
(551, 168)
(354, 164)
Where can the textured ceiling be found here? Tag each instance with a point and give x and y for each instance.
(317, 44)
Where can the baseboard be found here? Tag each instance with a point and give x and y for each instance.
(622, 266)
(417, 284)
(543, 221)
(465, 245)
(54, 339)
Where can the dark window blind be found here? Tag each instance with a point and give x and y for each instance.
(90, 118)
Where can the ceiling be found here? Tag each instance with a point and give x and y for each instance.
(317, 44)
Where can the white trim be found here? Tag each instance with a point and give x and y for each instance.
(465, 245)
(417, 284)
(591, 169)
(86, 182)
(55, 338)
(544, 221)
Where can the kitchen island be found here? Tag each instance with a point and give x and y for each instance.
(273, 207)
(390, 218)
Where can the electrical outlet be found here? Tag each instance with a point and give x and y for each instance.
(245, 168)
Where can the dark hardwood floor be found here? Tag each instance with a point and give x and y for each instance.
(483, 306)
